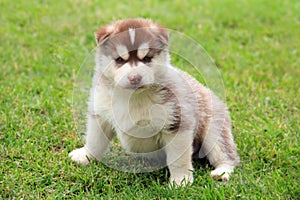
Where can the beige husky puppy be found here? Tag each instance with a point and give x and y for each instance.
(151, 106)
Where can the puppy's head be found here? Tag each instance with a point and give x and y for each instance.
(132, 53)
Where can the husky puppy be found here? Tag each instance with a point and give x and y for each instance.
(138, 96)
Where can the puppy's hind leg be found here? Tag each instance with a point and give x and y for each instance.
(219, 147)
(98, 137)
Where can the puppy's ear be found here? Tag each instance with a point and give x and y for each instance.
(164, 35)
(103, 33)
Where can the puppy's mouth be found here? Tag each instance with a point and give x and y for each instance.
(141, 87)
(137, 87)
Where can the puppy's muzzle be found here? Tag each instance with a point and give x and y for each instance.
(134, 79)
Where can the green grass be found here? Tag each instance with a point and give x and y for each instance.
(43, 43)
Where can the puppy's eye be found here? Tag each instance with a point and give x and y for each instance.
(147, 59)
(119, 60)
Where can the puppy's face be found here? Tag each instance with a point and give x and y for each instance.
(132, 53)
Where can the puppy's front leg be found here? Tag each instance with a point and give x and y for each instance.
(98, 137)
(179, 159)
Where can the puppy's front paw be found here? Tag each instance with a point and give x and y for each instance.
(221, 173)
(80, 156)
(181, 180)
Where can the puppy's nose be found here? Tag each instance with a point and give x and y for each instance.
(134, 79)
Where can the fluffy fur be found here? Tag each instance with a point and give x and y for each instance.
(138, 96)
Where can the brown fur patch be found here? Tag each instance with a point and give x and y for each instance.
(168, 96)
(124, 25)
(146, 31)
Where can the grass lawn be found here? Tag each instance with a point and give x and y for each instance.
(254, 43)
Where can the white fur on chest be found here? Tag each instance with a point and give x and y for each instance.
(137, 118)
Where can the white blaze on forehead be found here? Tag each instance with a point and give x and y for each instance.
(131, 34)
(123, 51)
(143, 50)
